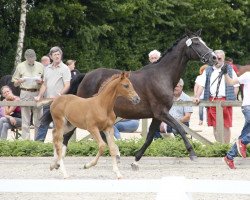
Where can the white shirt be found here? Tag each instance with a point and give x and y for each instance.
(213, 86)
(245, 79)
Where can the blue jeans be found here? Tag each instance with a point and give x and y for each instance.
(245, 133)
(43, 128)
(201, 113)
(125, 125)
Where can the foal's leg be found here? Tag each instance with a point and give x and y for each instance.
(101, 144)
(118, 155)
(57, 140)
(113, 148)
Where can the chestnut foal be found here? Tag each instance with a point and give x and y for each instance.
(93, 114)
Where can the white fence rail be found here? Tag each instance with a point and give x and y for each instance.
(178, 188)
(218, 104)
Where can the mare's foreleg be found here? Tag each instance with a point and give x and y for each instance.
(175, 125)
(154, 126)
(114, 151)
(101, 144)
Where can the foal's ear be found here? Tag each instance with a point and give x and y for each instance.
(125, 74)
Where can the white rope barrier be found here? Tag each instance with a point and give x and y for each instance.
(179, 188)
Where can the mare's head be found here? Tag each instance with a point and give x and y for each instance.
(197, 48)
(126, 89)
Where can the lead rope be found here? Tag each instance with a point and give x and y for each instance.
(219, 77)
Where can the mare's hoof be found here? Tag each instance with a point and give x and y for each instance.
(135, 167)
(194, 158)
(85, 166)
(118, 159)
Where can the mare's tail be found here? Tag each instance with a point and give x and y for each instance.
(75, 83)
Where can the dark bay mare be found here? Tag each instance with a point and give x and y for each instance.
(154, 84)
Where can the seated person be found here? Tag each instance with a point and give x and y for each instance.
(180, 113)
(12, 114)
(125, 125)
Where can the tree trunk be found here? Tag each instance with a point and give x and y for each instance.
(21, 36)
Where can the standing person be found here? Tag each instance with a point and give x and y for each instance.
(12, 114)
(154, 56)
(180, 113)
(45, 60)
(196, 86)
(74, 72)
(240, 146)
(218, 91)
(28, 76)
(56, 82)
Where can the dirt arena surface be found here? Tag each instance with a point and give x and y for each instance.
(150, 168)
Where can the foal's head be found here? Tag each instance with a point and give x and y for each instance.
(126, 89)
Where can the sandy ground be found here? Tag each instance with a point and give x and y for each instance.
(150, 168)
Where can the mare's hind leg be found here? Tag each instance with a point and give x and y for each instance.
(154, 126)
(175, 125)
(101, 144)
(113, 148)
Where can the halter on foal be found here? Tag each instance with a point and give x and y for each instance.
(94, 114)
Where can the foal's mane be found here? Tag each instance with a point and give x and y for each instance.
(115, 76)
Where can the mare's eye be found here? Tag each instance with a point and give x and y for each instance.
(126, 85)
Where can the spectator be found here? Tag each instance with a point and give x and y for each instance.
(28, 75)
(196, 86)
(74, 72)
(180, 113)
(56, 82)
(1, 111)
(12, 114)
(45, 60)
(154, 56)
(235, 68)
(216, 90)
(240, 146)
(125, 125)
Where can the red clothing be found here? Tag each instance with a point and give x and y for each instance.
(227, 114)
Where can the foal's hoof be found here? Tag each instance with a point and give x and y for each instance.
(118, 159)
(135, 167)
(54, 166)
(194, 158)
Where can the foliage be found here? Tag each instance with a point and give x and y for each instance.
(119, 34)
(167, 148)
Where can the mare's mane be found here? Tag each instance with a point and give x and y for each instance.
(115, 76)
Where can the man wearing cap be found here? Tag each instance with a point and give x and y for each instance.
(28, 75)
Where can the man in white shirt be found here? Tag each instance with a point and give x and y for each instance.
(216, 89)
